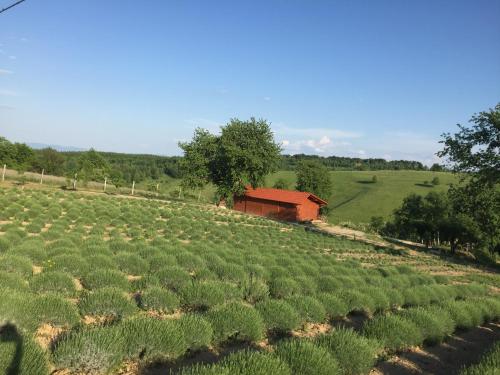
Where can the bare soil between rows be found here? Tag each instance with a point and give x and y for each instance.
(460, 350)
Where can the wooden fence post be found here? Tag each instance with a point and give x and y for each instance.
(41, 178)
(3, 173)
(74, 181)
(133, 187)
(105, 182)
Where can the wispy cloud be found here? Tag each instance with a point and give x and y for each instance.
(5, 72)
(6, 107)
(267, 98)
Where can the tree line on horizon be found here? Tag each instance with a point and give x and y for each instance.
(124, 168)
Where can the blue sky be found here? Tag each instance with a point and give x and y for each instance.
(352, 78)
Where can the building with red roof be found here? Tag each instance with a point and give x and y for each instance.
(279, 204)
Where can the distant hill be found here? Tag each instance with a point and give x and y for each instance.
(356, 198)
(60, 148)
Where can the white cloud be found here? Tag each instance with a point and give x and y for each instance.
(12, 57)
(267, 98)
(6, 107)
(5, 71)
(305, 133)
(362, 152)
(285, 142)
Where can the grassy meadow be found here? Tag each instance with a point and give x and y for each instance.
(93, 284)
(356, 198)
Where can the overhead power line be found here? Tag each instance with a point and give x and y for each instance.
(11, 6)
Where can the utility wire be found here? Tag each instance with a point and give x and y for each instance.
(11, 6)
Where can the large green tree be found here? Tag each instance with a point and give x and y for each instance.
(314, 177)
(243, 154)
(474, 152)
(92, 166)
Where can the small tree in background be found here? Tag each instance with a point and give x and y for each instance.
(374, 179)
(435, 181)
(281, 183)
(377, 224)
(314, 177)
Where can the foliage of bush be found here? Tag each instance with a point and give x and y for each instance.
(235, 321)
(56, 282)
(303, 357)
(106, 302)
(16, 264)
(174, 278)
(103, 278)
(153, 339)
(131, 264)
(278, 315)
(308, 308)
(92, 351)
(197, 331)
(254, 363)
(159, 299)
(355, 354)
(394, 332)
(55, 310)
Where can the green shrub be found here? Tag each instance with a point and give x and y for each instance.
(356, 301)
(255, 290)
(303, 357)
(355, 354)
(159, 299)
(203, 295)
(131, 264)
(75, 265)
(197, 331)
(100, 261)
(16, 264)
(32, 359)
(55, 310)
(334, 306)
(57, 282)
(174, 278)
(278, 315)
(308, 308)
(283, 287)
(153, 339)
(13, 281)
(394, 332)
(428, 323)
(106, 302)
(90, 351)
(254, 363)
(235, 321)
(103, 278)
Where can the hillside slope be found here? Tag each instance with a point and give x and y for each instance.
(355, 198)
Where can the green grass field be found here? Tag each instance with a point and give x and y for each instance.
(96, 284)
(356, 199)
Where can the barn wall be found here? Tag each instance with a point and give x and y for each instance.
(261, 207)
(308, 211)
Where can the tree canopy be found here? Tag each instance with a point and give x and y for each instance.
(243, 154)
(314, 177)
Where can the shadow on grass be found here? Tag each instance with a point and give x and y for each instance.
(462, 349)
(368, 182)
(424, 185)
(202, 357)
(9, 333)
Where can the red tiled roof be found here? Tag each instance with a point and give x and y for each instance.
(289, 196)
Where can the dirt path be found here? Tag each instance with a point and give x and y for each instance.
(460, 350)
